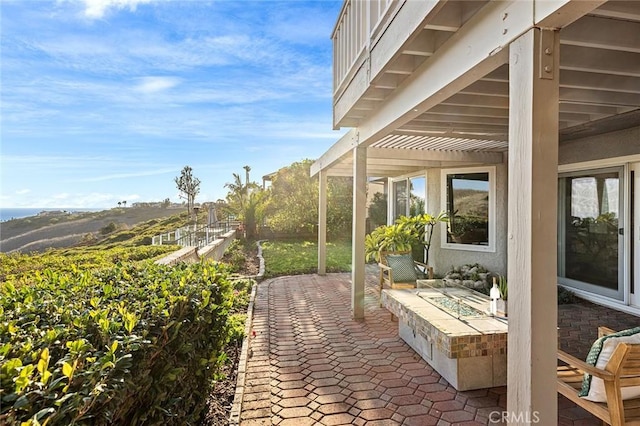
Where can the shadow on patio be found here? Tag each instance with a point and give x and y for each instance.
(310, 363)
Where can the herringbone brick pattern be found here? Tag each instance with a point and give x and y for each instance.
(311, 364)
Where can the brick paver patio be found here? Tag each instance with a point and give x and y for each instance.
(309, 363)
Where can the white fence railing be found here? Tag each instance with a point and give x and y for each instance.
(356, 26)
(192, 236)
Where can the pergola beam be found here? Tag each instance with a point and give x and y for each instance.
(390, 154)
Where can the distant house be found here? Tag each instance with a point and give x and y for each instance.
(522, 119)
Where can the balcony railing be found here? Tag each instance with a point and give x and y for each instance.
(194, 236)
(357, 25)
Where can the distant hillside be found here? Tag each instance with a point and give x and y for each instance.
(39, 233)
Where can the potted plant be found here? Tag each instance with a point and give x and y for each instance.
(422, 227)
(502, 302)
(406, 233)
(387, 238)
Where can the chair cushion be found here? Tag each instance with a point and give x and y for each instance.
(403, 267)
(599, 355)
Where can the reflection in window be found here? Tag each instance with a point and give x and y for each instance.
(416, 206)
(400, 190)
(468, 208)
(589, 229)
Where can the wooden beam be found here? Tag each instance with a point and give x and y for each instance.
(474, 51)
(605, 125)
(628, 10)
(433, 155)
(386, 81)
(600, 97)
(449, 18)
(474, 111)
(405, 65)
(423, 45)
(603, 33)
(477, 100)
(603, 61)
(595, 81)
(568, 106)
(399, 32)
(455, 127)
(560, 13)
(427, 118)
(337, 150)
(487, 88)
(359, 229)
(532, 233)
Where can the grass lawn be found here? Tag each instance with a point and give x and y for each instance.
(301, 257)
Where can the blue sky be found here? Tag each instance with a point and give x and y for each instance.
(107, 100)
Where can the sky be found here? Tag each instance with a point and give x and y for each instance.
(107, 100)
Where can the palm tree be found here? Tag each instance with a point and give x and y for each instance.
(237, 193)
(119, 203)
(124, 203)
(246, 201)
(247, 169)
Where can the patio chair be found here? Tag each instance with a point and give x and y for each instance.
(398, 270)
(613, 392)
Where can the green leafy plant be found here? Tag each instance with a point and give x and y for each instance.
(128, 344)
(406, 233)
(502, 286)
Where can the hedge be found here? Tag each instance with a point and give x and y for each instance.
(131, 344)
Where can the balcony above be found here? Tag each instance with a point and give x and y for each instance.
(383, 47)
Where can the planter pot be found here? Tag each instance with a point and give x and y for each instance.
(502, 308)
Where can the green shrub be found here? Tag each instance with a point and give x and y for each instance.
(124, 345)
(111, 227)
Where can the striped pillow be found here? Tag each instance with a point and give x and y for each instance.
(599, 355)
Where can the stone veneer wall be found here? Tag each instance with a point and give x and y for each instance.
(450, 345)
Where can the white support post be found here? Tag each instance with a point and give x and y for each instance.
(532, 230)
(322, 223)
(391, 199)
(357, 240)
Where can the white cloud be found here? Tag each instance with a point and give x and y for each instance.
(23, 191)
(156, 84)
(96, 9)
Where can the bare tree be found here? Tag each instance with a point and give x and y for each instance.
(188, 186)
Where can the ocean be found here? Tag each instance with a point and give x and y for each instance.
(17, 213)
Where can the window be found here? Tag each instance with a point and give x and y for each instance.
(401, 200)
(590, 245)
(409, 196)
(469, 199)
(416, 202)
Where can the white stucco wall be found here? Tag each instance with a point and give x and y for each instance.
(609, 145)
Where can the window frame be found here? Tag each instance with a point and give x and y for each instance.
(620, 294)
(491, 246)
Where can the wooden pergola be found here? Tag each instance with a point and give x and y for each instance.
(432, 84)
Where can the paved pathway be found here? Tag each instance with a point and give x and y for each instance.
(311, 364)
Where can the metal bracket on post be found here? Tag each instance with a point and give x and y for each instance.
(547, 42)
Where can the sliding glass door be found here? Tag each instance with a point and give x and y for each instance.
(590, 238)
